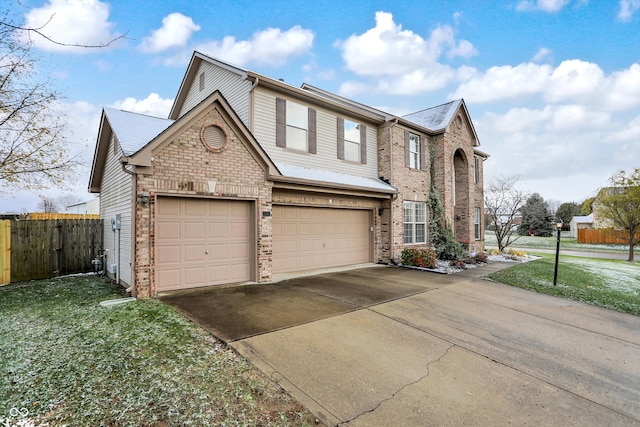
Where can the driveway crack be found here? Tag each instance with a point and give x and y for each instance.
(446, 352)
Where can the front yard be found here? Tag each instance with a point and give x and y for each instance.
(65, 360)
(613, 284)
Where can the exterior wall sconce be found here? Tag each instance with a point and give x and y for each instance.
(145, 197)
(458, 217)
(380, 211)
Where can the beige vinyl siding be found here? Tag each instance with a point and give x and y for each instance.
(115, 198)
(326, 157)
(231, 85)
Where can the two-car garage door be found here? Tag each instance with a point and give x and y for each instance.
(202, 242)
(307, 238)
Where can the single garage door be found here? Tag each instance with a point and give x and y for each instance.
(202, 242)
(306, 238)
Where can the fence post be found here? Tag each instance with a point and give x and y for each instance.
(5, 252)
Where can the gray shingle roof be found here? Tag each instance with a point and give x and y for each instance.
(134, 130)
(435, 118)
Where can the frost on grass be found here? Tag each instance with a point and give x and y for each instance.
(71, 362)
(617, 276)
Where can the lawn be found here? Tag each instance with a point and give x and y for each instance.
(613, 284)
(566, 243)
(65, 360)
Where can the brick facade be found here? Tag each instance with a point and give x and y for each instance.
(453, 160)
(186, 167)
(455, 179)
(412, 184)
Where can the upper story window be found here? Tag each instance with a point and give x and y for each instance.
(414, 151)
(414, 155)
(295, 126)
(476, 170)
(352, 141)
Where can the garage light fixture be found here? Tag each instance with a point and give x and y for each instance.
(145, 197)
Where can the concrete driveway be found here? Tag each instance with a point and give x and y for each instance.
(385, 346)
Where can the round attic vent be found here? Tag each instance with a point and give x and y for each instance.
(213, 137)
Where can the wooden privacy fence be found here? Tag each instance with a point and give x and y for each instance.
(39, 249)
(603, 235)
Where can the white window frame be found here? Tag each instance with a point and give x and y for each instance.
(297, 129)
(477, 224)
(414, 223)
(352, 151)
(414, 151)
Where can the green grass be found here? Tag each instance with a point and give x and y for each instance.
(69, 361)
(566, 243)
(612, 284)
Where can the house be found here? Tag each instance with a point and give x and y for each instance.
(250, 177)
(89, 207)
(580, 223)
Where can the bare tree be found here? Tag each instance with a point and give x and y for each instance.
(68, 199)
(620, 204)
(502, 201)
(33, 151)
(48, 205)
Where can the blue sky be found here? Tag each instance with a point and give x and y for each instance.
(553, 86)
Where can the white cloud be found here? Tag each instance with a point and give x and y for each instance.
(542, 54)
(623, 89)
(401, 61)
(549, 6)
(175, 32)
(573, 81)
(504, 82)
(627, 8)
(152, 105)
(81, 22)
(271, 46)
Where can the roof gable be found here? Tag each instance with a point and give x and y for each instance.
(438, 118)
(435, 118)
(144, 156)
(134, 130)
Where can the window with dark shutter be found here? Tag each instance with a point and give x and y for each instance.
(281, 122)
(407, 152)
(340, 130)
(423, 157)
(363, 144)
(312, 131)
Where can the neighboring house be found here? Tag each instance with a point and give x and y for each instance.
(89, 207)
(580, 223)
(600, 220)
(251, 177)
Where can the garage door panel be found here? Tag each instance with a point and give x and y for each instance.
(193, 229)
(202, 242)
(194, 252)
(194, 276)
(166, 254)
(308, 238)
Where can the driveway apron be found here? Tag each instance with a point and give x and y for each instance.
(387, 346)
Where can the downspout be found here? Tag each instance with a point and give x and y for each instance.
(395, 196)
(133, 225)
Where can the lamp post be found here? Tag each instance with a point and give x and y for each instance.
(555, 273)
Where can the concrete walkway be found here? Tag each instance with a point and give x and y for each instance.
(447, 350)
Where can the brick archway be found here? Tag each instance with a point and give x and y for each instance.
(461, 195)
